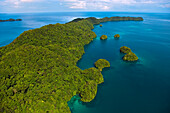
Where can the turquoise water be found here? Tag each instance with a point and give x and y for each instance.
(141, 87)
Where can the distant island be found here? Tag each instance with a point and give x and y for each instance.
(117, 36)
(94, 20)
(10, 20)
(38, 70)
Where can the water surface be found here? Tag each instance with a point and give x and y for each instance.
(141, 87)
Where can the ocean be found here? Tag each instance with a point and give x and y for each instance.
(129, 87)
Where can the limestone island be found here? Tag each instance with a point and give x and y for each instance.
(125, 49)
(95, 21)
(101, 63)
(103, 37)
(101, 25)
(38, 70)
(130, 56)
(10, 20)
(117, 36)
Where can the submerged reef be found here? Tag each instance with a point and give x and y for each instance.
(101, 63)
(130, 56)
(117, 36)
(38, 70)
(103, 37)
(101, 25)
(10, 20)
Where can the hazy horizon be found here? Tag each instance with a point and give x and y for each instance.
(36, 6)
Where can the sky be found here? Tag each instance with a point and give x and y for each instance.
(24, 6)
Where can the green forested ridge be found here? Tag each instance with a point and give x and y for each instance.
(94, 20)
(38, 71)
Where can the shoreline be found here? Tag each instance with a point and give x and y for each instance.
(50, 47)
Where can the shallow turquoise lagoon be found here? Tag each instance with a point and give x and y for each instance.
(136, 87)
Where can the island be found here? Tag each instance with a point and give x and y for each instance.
(96, 21)
(125, 49)
(130, 56)
(103, 37)
(10, 20)
(101, 25)
(117, 36)
(38, 70)
(101, 63)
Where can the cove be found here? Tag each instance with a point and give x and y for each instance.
(140, 87)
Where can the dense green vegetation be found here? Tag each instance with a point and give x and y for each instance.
(101, 63)
(38, 71)
(125, 49)
(94, 20)
(10, 20)
(103, 37)
(130, 56)
(117, 36)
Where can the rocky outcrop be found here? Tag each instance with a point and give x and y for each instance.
(103, 37)
(117, 36)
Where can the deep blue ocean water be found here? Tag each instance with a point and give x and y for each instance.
(140, 87)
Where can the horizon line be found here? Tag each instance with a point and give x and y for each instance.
(80, 11)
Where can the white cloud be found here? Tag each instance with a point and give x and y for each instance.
(106, 7)
(70, 0)
(147, 2)
(26, 0)
(78, 5)
(166, 6)
(88, 4)
(16, 3)
(102, 4)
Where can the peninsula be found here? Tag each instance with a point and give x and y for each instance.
(38, 71)
(101, 63)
